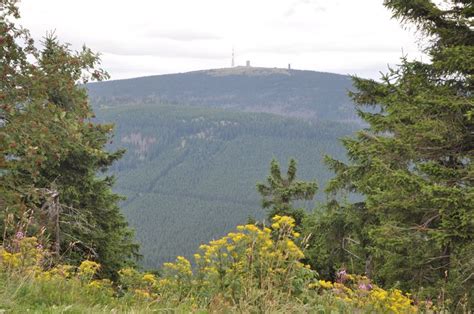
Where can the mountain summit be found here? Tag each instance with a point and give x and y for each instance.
(197, 143)
(294, 93)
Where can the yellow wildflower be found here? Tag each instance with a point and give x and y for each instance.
(88, 268)
(326, 284)
(142, 293)
(149, 278)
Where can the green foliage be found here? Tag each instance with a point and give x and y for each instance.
(339, 239)
(51, 151)
(195, 151)
(413, 164)
(251, 270)
(189, 173)
(280, 192)
(294, 93)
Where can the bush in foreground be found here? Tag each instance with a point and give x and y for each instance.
(251, 270)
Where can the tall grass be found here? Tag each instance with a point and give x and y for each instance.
(252, 270)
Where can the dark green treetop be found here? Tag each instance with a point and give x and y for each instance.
(51, 151)
(279, 192)
(413, 164)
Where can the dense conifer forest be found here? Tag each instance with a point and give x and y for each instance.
(189, 173)
(285, 208)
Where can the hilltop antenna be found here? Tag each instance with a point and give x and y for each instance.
(233, 55)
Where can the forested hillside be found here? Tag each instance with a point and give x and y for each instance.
(189, 173)
(296, 93)
(403, 244)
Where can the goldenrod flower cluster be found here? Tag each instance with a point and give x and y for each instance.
(10, 260)
(26, 259)
(360, 293)
(255, 269)
(88, 269)
(253, 258)
(150, 278)
(25, 254)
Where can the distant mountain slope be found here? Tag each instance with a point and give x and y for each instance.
(197, 142)
(190, 173)
(296, 93)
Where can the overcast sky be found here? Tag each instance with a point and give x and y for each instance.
(147, 37)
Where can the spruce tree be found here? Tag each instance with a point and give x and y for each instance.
(413, 164)
(280, 192)
(52, 152)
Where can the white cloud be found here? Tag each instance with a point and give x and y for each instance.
(181, 34)
(153, 37)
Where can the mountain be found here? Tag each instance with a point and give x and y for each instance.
(192, 161)
(296, 93)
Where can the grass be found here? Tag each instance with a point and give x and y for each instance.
(253, 270)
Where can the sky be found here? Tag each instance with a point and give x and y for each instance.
(149, 37)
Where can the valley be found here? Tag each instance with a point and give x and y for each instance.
(190, 170)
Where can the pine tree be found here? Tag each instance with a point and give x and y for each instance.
(339, 239)
(413, 164)
(52, 151)
(280, 192)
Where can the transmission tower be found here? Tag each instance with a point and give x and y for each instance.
(233, 55)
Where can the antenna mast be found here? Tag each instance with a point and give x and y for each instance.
(233, 63)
